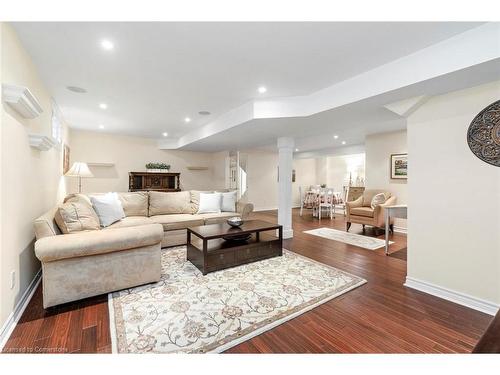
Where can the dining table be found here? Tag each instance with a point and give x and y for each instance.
(312, 199)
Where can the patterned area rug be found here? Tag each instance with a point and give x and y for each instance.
(186, 312)
(365, 242)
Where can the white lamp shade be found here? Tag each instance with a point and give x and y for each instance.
(79, 169)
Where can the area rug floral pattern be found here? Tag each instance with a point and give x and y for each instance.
(186, 312)
(365, 242)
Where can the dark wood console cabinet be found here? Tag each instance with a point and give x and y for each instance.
(144, 181)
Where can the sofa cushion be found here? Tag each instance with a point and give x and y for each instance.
(134, 203)
(131, 221)
(215, 218)
(195, 199)
(210, 203)
(161, 203)
(228, 201)
(362, 211)
(45, 225)
(178, 221)
(377, 200)
(370, 193)
(76, 217)
(108, 207)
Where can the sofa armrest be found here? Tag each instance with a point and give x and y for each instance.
(244, 209)
(352, 204)
(87, 243)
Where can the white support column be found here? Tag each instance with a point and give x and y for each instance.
(285, 150)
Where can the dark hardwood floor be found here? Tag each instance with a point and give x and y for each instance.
(381, 316)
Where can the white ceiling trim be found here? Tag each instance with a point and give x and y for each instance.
(406, 107)
(331, 151)
(462, 51)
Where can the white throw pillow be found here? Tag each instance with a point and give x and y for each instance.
(108, 208)
(378, 199)
(228, 202)
(210, 203)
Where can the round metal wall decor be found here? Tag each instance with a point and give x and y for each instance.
(483, 135)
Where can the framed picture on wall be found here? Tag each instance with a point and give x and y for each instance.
(65, 158)
(293, 175)
(399, 166)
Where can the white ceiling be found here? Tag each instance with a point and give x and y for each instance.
(159, 73)
(352, 122)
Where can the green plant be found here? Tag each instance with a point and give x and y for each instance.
(157, 166)
(323, 185)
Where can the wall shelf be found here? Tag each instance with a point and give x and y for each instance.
(100, 164)
(197, 168)
(41, 142)
(21, 100)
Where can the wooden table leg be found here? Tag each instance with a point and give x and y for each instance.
(280, 230)
(386, 231)
(188, 242)
(205, 256)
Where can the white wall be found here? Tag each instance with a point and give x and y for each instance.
(321, 170)
(219, 169)
(453, 198)
(379, 148)
(31, 180)
(262, 177)
(130, 154)
(339, 167)
(305, 176)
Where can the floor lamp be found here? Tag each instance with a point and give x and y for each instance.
(79, 170)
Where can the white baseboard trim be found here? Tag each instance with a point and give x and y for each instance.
(402, 230)
(256, 209)
(453, 296)
(21, 305)
(287, 233)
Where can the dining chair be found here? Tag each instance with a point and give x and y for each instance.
(325, 201)
(301, 197)
(339, 200)
(307, 200)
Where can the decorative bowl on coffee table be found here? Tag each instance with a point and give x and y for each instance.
(235, 221)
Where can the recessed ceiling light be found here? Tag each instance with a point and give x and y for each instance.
(165, 134)
(296, 150)
(101, 126)
(262, 89)
(335, 136)
(343, 142)
(76, 89)
(107, 45)
(204, 113)
(187, 119)
(103, 106)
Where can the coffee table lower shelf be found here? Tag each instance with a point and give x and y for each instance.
(210, 255)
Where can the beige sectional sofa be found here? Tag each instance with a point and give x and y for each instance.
(122, 255)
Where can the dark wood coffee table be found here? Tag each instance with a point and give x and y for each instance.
(209, 251)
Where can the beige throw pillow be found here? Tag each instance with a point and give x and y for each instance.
(378, 199)
(76, 217)
(161, 203)
(134, 203)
